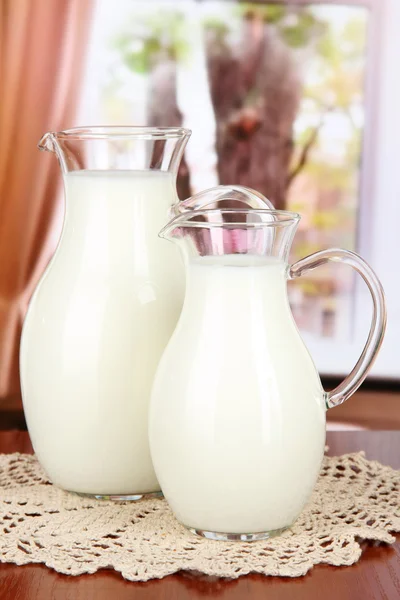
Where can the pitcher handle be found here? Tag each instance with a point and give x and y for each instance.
(238, 193)
(343, 391)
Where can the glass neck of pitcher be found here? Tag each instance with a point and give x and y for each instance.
(118, 148)
(257, 234)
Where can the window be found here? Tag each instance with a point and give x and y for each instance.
(296, 99)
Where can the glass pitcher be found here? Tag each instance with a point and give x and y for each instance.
(237, 415)
(106, 306)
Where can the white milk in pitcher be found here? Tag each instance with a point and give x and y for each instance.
(237, 420)
(88, 357)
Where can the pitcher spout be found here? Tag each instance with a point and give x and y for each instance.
(53, 142)
(48, 142)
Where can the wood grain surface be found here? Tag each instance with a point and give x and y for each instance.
(375, 577)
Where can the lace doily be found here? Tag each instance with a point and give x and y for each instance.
(354, 499)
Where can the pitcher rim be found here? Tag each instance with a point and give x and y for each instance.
(286, 218)
(123, 131)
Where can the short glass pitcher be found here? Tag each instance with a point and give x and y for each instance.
(237, 414)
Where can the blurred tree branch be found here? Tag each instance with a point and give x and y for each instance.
(304, 153)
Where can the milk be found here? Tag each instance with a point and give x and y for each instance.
(237, 418)
(95, 330)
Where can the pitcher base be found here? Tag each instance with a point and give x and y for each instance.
(121, 497)
(237, 537)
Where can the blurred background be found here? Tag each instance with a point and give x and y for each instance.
(297, 99)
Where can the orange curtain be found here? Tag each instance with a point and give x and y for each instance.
(42, 47)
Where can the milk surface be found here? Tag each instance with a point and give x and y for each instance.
(96, 327)
(237, 418)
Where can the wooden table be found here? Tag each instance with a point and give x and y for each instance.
(375, 577)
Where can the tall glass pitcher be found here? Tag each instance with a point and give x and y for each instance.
(242, 399)
(106, 307)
